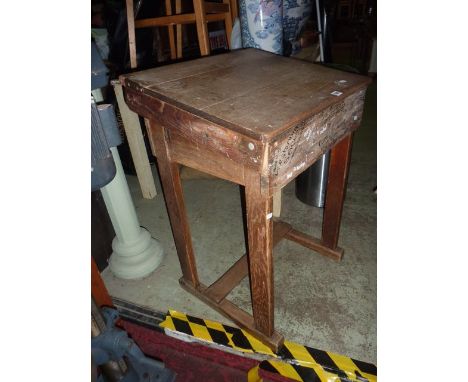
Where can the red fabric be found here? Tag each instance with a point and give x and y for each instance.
(193, 361)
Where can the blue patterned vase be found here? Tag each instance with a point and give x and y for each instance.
(261, 24)
(295, 15)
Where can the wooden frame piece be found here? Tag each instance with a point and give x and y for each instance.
(204, 12)
(260, 243)
(227, 21)
(314, 244)
(136, 143)
(131, 33)
(237, 315)
(202, 27)
(229, 280)
(219, 289)
(340, 159)
(277, 196)
(234, 11)
(170, 28)
(173, 195)
(178, 10)
(185, 18)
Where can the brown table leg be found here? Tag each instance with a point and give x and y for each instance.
(173, 195)
(340, 159)
(260, 239)
(260, 244)
(336, 189)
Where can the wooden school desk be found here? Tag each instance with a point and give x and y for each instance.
(258, 120)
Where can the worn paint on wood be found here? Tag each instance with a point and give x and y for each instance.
(200, 131)
(295, 151)
(253, 92)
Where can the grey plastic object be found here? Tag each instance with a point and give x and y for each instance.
(104, 128)
(99, 71)
(102, 164)
(109, 124)
(311, 185)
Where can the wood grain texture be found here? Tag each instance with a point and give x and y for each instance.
(259, 93)
(173, 196)
(340, 159)
(234, 275)
(170, 30)
(237, 315)
(260, 244)
(228, 281)
(280, 230)
(202, 28)
(187, 153)
(202, 132)
(131, 33)
(314, 244)
(179, 38)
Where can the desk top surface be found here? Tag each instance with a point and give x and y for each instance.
(249, 90)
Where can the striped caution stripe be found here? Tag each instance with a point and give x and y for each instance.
(295, 361)
(215, 332)
(313, 372)
(327, 365)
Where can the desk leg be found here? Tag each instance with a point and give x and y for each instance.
(260, 244)
(340, 159)
(173, 195)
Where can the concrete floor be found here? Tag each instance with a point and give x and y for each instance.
(318, 302)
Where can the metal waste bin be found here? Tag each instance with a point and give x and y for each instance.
(311, 185)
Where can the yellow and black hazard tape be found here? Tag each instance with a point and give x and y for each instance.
(214, 332)
(312, 364)
(295, 361)
(314, 372)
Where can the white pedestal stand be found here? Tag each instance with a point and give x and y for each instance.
(135, 253)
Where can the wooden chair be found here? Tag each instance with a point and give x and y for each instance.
(204, 12)
(207, 12)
